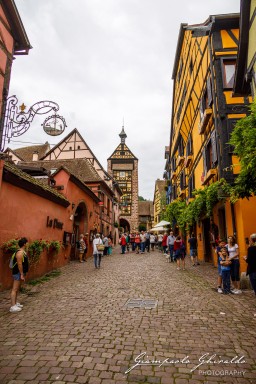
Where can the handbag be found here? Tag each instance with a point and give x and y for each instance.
(100, 247)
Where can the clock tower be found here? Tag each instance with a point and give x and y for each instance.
(123, 166)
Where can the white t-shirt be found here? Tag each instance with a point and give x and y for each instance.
(96, 242)
(232, 250)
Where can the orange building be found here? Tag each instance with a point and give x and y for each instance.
(204, 112)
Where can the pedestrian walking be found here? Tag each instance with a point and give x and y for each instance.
(110, 246)
(170, 244)
(137, 242)
(132, 241)
(98, 248)
(82, 248)
(152, 241)
(164, 243)
(251, 261)
(193, 249)
(122, 242)
(105, 242)
(179, 249)
(86, 246)
(159, 241)
(19, 270)
(147, 243)
(128, 242)
(225, 270)
(233, 252)
(142, 241)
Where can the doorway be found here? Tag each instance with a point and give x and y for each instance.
(80, 226)
(125, 225)
(222, 223)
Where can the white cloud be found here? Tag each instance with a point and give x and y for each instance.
(102, 60)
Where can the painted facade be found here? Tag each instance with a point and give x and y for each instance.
(204, 112)
(159, 200)
(123, 167)
(31, 206)
(146, 214)
(245, 79)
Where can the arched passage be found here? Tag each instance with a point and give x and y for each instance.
(125, 225)
(80, 226)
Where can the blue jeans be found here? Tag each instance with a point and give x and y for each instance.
(142, 246)
(133, 246)
(226, 281)
(171, 252)
(252, 277)
(123, 249)
(97, 259)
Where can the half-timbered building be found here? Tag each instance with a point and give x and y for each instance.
(123, 167)
(204, 112)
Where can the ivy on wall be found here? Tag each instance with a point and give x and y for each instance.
(185, 215)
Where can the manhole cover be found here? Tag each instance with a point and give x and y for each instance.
(141, 303)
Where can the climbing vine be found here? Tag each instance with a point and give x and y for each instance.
(185, 215)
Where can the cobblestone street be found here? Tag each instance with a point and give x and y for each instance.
(75, 329)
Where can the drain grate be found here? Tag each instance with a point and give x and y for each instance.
(141, 303)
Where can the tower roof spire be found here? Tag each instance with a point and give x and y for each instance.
(123, 135)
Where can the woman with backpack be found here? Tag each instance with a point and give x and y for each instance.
(19, 270)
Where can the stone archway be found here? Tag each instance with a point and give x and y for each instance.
(125, 225)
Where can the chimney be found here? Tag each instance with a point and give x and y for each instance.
(35, 156)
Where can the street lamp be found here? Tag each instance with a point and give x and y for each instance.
(16, 123)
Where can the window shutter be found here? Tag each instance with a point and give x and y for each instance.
(214, 147)
(209, 92)
(204, 161)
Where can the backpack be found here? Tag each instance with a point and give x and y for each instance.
(11, 263)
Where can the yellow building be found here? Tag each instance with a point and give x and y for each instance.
(204, 112)
(245, 80)
(159, 200)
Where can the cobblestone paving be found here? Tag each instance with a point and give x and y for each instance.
(75, 329)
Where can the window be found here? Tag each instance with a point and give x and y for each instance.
(191, 186)
(173, 164)
(189, 148)
(210, 157)
(206, 100)
(181, 148)
(182, 181)
(229, 67)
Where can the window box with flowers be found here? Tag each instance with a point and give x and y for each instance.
(10, 246)
(53, 247)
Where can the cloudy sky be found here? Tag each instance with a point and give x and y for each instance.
(102, 61)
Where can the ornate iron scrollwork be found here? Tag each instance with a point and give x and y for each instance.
(16, 122)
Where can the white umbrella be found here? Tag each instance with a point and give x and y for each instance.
(162, 223)
(157, 229)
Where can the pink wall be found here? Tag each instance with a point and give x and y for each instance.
(25, 214)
